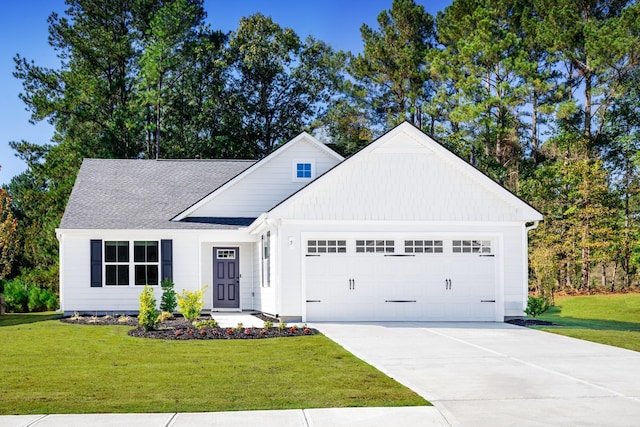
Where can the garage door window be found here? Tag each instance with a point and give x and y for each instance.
(375, 246)
(423, 246)
(471, 247)
(326, 246)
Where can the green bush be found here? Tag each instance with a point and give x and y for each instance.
(16, 296)
(164, 316)
(42, 300)
(190, 304)
(148, 316)
(536, 306)
(168, 301)
(202, 324)
(22, 296)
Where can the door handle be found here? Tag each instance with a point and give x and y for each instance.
(350, 284)
(447, 283)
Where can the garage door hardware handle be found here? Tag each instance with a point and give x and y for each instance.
(492, 255)
(400, 300)
(312, 255)
(400, 255)
(314, 300)
(487, 300)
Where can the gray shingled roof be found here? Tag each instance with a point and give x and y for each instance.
(144, 194)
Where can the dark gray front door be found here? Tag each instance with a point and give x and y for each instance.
(226, 278)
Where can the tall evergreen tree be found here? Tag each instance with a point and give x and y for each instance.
(482, 60)
(392, 70)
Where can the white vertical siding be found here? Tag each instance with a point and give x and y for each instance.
(409, 187)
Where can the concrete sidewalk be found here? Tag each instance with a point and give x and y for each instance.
(427, 416)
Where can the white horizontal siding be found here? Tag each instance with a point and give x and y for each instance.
(192, 268)
(268, 183)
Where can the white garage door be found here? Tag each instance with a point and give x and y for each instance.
(400, 280)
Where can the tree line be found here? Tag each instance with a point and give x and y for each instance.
(541, 95)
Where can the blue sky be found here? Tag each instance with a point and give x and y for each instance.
(23, 30)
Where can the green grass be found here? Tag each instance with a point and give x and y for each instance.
(52, 367)
(607, 319)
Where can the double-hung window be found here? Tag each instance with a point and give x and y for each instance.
(118, 264)
(116, 260)
(146, 260)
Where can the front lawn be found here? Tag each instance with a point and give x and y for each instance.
(607, 319)
(52, 367)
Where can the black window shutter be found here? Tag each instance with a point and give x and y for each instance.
(96, 263)
(166, 247)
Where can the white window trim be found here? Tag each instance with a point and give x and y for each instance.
(116, 263)
(145, 263)
(265, 264)
(294, 169)
(131, 264)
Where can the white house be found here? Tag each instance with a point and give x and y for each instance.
(402, 230)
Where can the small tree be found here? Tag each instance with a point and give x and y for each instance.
(168, 301)
(191, 304)
(148, 317)
(536, 306)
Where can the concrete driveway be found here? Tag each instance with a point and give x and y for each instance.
(494, 374)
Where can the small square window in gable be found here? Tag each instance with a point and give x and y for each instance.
(303, 170)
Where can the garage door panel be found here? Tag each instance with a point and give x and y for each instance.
(411, 287)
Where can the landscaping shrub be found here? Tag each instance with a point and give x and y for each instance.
(22, 296)
(202, 324)
(148, 316)
(42, 299)
(168, 301)
(536, 306)
(164, 316)
(190, 304)
(16, 296)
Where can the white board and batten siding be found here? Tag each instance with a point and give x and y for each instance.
(405, 187)
(268, 182)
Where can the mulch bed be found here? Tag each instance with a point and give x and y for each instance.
(180, 329)
(530, 322)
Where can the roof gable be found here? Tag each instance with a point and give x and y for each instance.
(407, 176)
(266, 183)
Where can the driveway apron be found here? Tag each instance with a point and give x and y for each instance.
(496, 374)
